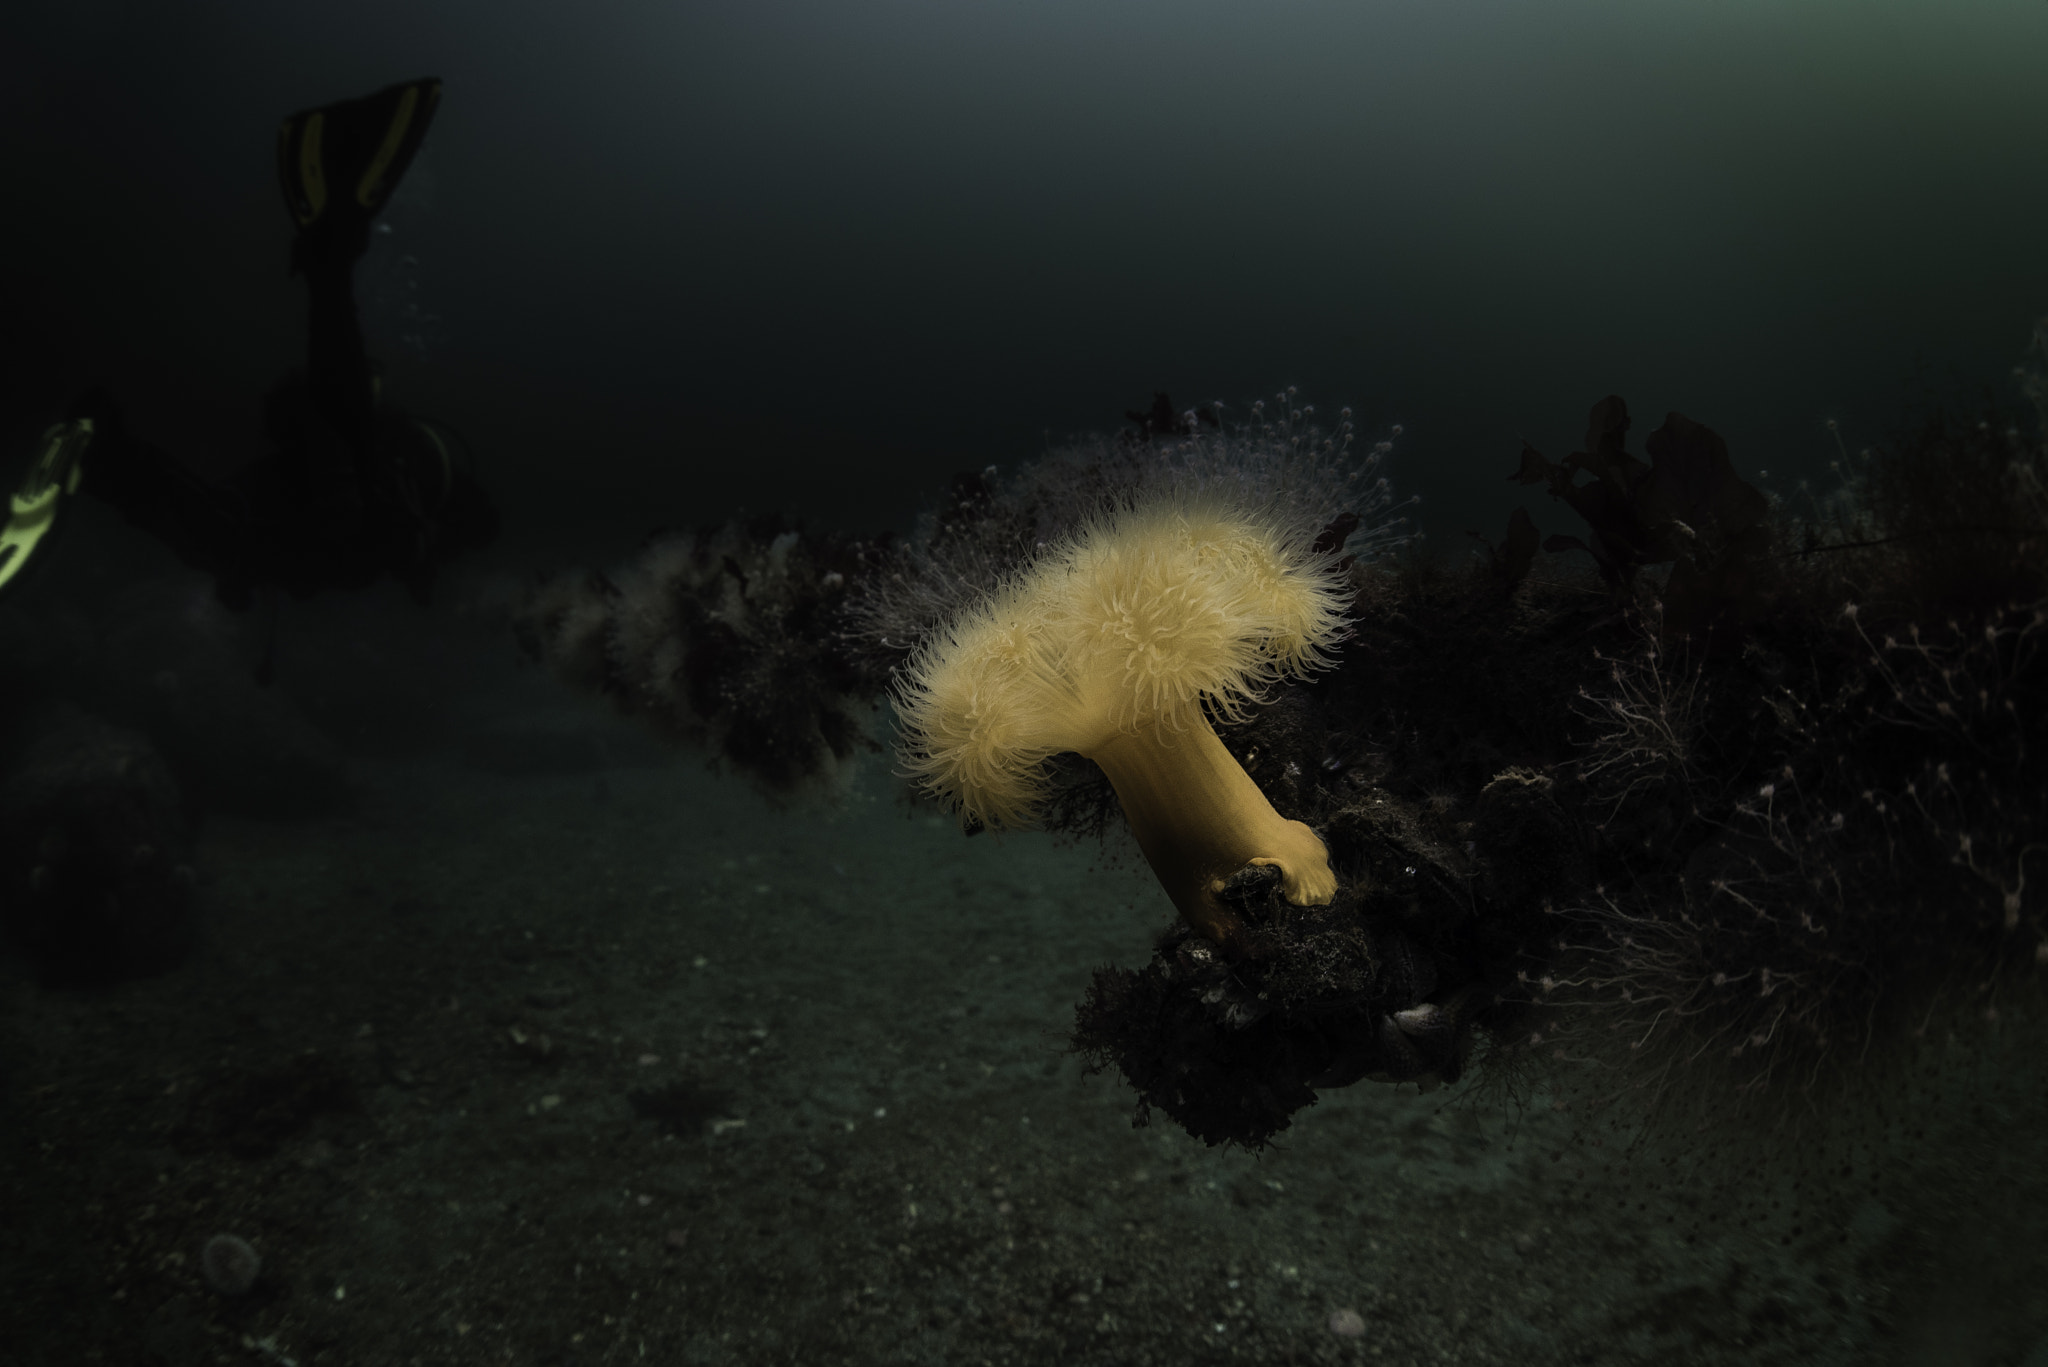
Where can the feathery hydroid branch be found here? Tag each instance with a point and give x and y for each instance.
(1118, 644)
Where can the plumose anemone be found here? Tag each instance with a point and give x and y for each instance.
(1119, 643)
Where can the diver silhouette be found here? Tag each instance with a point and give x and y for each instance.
(352, 488)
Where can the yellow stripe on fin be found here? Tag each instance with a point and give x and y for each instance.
(394, 138)
(312, 171)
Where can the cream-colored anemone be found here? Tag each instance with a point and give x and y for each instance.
(1120, 643)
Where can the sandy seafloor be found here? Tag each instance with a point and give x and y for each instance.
(404, 1065)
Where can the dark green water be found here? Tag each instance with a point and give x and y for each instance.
(549, 1046)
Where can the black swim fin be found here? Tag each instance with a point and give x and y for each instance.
(338, 165)
(32, 513)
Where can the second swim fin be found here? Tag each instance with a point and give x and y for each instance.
(32, 513)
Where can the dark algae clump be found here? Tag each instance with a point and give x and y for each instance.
(1707, 789)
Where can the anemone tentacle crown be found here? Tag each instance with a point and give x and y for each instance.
(1120, 643)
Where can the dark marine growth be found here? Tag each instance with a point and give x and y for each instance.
(1691, 806)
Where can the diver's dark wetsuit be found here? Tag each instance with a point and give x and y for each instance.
(351, 490)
